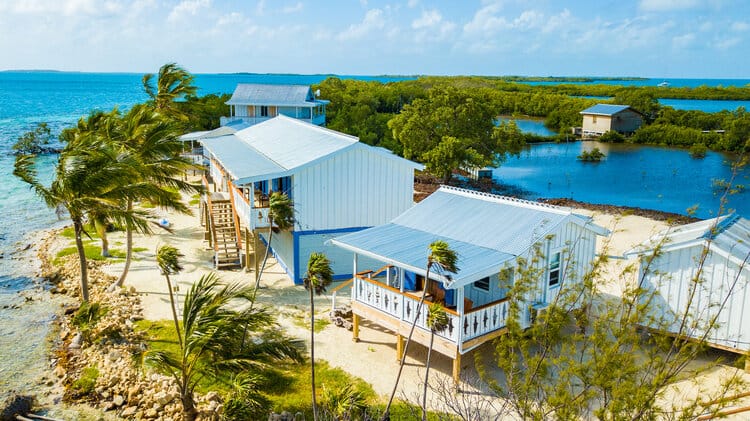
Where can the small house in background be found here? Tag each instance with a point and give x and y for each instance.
(716, 253)
(602, 118)
(489, 233)
(336, 184)
(253, 103)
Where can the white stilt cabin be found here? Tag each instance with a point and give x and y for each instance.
(488, 233)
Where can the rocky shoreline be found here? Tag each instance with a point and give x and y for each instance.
(121, 388)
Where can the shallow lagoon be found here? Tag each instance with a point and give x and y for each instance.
(650, 177)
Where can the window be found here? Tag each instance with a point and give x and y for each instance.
(554, 270)
(483, 284)
(593, 119)
(263, 111)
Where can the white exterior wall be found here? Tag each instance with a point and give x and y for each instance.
(283, 248)
(357, 188)
(672, 274)
(341, 259)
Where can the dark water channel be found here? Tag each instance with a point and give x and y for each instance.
(649, 177)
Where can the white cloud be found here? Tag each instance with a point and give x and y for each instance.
(740, 26)
(706, 26)
(293, 8)
(412, 3)
(727, 43)
(667, 5)
(373, 20)
(187, 8)
(428, 18)
(683, 41)
(65, 7)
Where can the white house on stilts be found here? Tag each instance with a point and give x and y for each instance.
(489, 233)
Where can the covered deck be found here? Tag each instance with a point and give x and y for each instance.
(381, 297)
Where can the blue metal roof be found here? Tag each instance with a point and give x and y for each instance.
(278, 95)
(239, 158)
(485, 230)
(605, 109)
(408, 248)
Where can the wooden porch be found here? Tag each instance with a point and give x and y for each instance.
(395, 310)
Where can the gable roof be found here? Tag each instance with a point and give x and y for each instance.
(728, 235)
(280, 95)
(485, 230)
(279, 147)
(207, 134)
(607, 109)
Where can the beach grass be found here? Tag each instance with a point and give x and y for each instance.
(194, 199)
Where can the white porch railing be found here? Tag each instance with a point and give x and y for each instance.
(482, 320)
(402, 306)
(242, 207)
(259, 217)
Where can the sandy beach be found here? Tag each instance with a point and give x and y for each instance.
(373, 358)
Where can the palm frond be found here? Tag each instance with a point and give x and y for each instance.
(319, 273)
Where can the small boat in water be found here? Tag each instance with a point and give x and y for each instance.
(664, 84)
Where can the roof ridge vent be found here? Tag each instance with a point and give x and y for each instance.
(721, 226)
(507, 199)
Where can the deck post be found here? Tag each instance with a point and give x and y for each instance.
(399, 347)
(456, 369)
(256, 260)
(747, 362)
(247, 250)
(355, 327)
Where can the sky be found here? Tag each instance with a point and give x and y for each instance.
(648, 38)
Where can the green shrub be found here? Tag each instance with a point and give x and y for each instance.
(594, 155)
(612, 137)
(86, 383)
(88, 314)
(698, 150)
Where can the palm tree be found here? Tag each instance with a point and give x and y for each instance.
(280, 217)
(213, 319)
(443, 259)
(89, 179)
(319, 275)
(173, 82)
(437, 321)
(168, 259)
(151, 140)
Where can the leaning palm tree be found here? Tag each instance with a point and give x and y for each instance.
(443, 259)
(280, 217)
(168, 259)
(319, 275)
(173, 82)
(88, 180)
(151, 140)
(213, 319)
(437, 321)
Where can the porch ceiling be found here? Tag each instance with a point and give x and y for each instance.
(408, 248)
(239, 158)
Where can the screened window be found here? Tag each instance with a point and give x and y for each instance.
(554, 269)
(263, 111)
(483, 284)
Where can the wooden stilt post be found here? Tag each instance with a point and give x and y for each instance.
(247, 250)
(399, 347)
(355, 327)
(256, 259)
(456, 369)
(747, 362)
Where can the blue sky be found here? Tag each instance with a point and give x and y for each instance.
(651, 38)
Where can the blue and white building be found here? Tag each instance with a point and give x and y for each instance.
(253, 103)
(489, 233)
(337, 185)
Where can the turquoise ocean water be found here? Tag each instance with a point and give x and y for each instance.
(60, 98)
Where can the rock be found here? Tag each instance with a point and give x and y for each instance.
(76, 342)
(114, 355)
(133, 392)
(128, 412)
(59, 371)
(16, 404)
(118, 400)
(151, 413)
(213, 396)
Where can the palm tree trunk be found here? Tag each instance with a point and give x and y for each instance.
(386, 413)
(312, 353)
(128, 249)
(174, 311)
(78, 228)
(265, 259)
(189, 413)
(101, 229)
(426, 377)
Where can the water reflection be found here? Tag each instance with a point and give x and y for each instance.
(630, 175)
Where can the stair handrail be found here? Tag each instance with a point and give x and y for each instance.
(235, 217)
(211, 223)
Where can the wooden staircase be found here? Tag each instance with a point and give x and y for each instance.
(223, 231)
